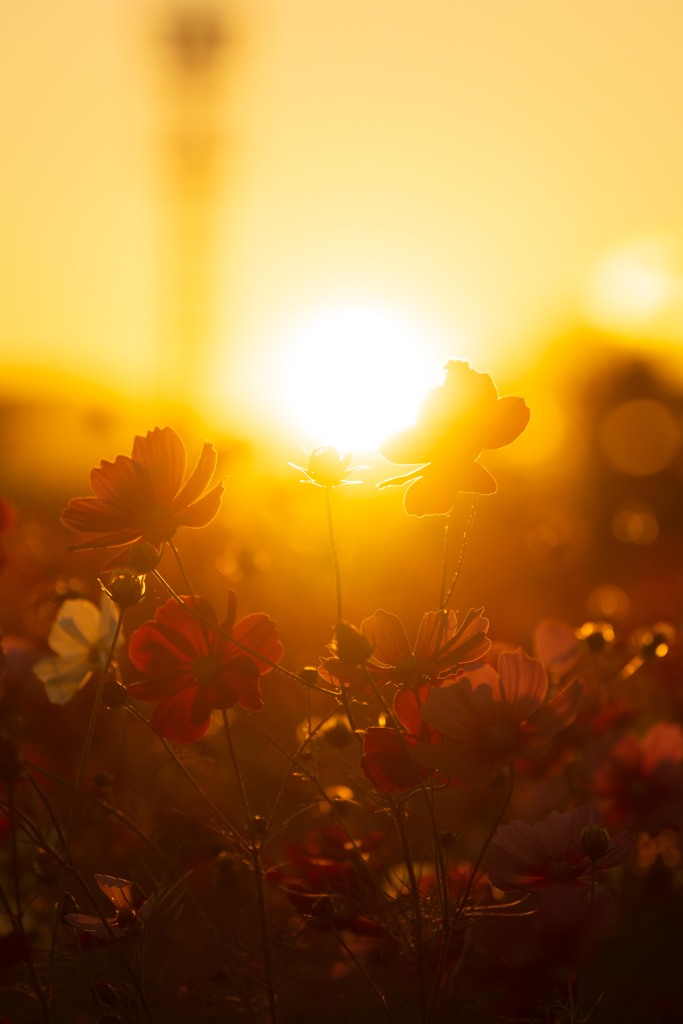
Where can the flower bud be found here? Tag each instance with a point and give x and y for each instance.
(595, 841)
(327, 467)
(351, 646)
(126, 587)
(115, 693)
(144, 557)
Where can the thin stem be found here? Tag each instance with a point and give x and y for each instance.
(17, 918)
(232, 832)
(489, 837)
(417, 909)
(76, 795)
(255, 853)
(444, 560)
(461, 554)
(333, 549)
(373, 985)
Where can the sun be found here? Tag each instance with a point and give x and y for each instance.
(351, 376)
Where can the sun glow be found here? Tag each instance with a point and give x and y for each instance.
(352, 376)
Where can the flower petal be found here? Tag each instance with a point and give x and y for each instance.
(161, 453)
(523, 682)
(63, 677)
(199, 478)
(259, 633)
(387, 638)
(172, 718)
(76, 630)
(203, 511)
(508, 419)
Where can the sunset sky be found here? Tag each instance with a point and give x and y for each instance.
(470, 175)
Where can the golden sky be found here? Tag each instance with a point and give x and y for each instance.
(460, 166)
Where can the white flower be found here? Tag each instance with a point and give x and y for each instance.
(81, 637)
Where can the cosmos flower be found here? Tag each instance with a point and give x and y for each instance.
(191, 669)
(456, 423)
(441, 647)
(552, 851)
(489, 719)
(128, 916)
(81, 637)
(639, 783)
(327, 467)
(386, 760)
(143, 498)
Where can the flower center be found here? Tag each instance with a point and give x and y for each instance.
(405, 666)
(501, 737)
(158, 524)
(559, 870)
(205, 670)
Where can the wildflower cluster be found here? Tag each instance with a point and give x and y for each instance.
(425, 830)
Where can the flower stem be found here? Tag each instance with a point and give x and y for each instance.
(417, 909)
(492, 831)
(255, 853)
(333, 549)
(467, 529)
(234, 836)
(17, 917)
(76, 797)
(444, 560)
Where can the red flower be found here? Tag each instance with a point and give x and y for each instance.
(551, 852)
(440, 649)
(144, 497)
(386, 760)
(640, 782)
(192, 669)
(489, 719)
(457, 422)
(329, 881)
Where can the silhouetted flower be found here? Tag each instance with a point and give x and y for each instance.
(327, 467)
(489, 719)
(192, 669)
(143, 497)
(550, 852)
(81, 637)
(386, 760)
(639, 783)
(456, 423)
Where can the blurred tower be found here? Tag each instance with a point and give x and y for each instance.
(195, 46)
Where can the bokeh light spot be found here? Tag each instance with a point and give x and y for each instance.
(640, 437)
(634, 523)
